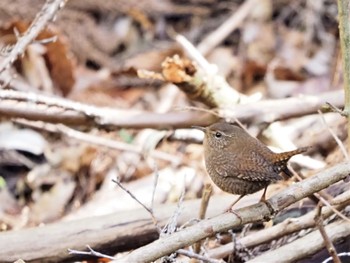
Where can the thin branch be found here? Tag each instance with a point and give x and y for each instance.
(154, 219)
(215, 38)
(90, 253)
(347, 254)
(338, 213)
(329, 245)
(197, 256)
(336, 109)
(208, 189)
(203, 209)
(156, 177)
(336, 138)
(47, 13)
(170, 227)
(97, 140)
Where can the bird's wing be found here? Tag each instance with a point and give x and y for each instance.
(258, 176)
(256, 169)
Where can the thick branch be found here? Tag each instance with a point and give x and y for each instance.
(224, 222)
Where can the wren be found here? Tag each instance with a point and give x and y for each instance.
(239, 163)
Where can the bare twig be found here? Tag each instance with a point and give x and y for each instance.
(47, 13)
(170, 227)
(91, 252)
(340, 254)
(202, 211)
(97, 140)
(208, 189)
(215, 38)
(156, 177)
(172, 223)
(337, 212)
(329, 245)
(336, 138)
(154, 219)
(336, 109)
(197, 256)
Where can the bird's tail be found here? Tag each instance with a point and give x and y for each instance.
(282, 159)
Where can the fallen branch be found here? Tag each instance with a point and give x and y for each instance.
(224, 222)
(31, 106)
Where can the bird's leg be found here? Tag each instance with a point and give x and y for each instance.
(263, 197)
(263, 200)
(230, 210)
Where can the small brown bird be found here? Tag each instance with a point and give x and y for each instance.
(239, 163)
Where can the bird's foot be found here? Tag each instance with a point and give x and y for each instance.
(230, 210)
(272, 210)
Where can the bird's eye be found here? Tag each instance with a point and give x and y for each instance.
(218, 135)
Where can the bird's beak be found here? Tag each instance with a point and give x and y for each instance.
(203, 129)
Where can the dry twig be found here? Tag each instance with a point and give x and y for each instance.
(47, 13)
(91, 252)
(329, 245)
(336, 138)
(216, 37)
(97, 140)
(203, 209)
